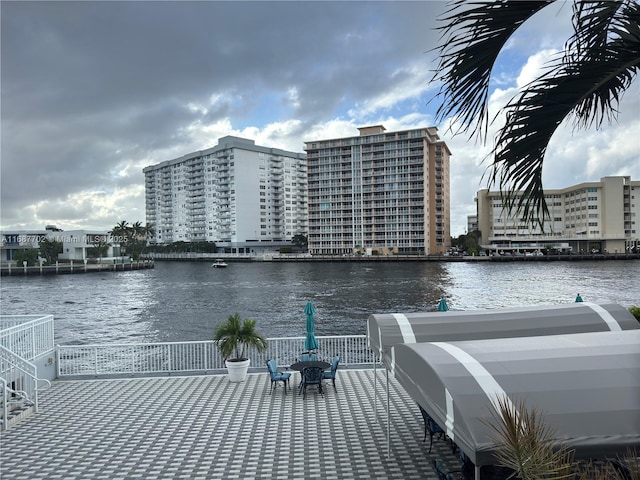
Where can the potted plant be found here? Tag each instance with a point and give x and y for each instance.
(233, 337)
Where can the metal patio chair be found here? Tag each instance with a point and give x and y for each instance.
(312, 376)
(276, 376)
(431, 427)
(331, 375)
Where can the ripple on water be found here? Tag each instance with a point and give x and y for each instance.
(184, 301)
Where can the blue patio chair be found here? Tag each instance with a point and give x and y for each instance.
(431, 427)
(308, 357)
(312, 376)
(277, 376)
(331, 375)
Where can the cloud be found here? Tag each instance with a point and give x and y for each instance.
(92, 92)
(536, 66)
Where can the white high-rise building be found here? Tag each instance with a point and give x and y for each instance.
(379, 193)
(236, 194)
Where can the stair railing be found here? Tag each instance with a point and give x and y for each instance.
(5, 404)
(19, 375)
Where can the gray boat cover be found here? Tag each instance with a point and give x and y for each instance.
(386, 330)
(586, 386)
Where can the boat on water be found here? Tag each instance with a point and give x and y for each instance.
(219, 263)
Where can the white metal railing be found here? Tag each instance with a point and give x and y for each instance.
(23, 338)
(199, 356)
(28, 336)
(20, 382)
(4, 414)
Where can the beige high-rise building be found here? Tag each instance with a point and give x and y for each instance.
(600, 216)
(380, 192)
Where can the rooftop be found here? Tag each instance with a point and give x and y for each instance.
(205, 427)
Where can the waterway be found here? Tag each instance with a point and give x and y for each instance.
(183, 301)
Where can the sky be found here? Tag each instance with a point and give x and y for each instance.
(93, 92)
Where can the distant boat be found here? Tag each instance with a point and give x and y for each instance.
(219, 263)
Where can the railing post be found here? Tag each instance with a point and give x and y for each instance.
(58, 363)
(33, 342)
(5, 410)
(131, 354)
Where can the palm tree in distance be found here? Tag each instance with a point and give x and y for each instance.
(148, 231)
(121, 235)
(599, 62)
(122, 229)
(137, 231)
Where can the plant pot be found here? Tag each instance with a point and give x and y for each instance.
(237, 369)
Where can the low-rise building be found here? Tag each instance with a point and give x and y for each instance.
(12, 241)
(76, 244)
(84, 244)
(587, 217)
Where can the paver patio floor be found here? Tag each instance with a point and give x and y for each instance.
(205, 427)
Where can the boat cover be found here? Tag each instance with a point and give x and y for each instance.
(387, 330)
(585, 385)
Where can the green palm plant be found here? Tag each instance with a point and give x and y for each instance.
(526, 445)
(599, 62)
(235, 336)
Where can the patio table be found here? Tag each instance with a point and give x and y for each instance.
(299, 366)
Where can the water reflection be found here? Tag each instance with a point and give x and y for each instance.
(184, 301)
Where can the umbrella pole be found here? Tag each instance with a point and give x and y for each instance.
(375, 387)
(388, 418)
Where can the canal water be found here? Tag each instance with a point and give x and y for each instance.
(183, 301)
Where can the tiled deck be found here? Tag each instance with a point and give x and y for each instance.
(205, 427)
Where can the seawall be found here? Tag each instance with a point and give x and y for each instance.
(67, 268)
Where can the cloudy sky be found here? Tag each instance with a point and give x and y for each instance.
(92, 92)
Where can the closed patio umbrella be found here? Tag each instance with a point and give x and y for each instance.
(578, 299)
(310, 342)
(442, 306)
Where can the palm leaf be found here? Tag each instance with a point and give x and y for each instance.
(474, 35)
(236, 335)
(607, 33)
(587, 87)
(525, 444)
(586, 83)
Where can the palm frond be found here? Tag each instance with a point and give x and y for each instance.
(607, 34)
(592, 23)
(525, 444)
(588, 89)
(474, 35)
(585, 83)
